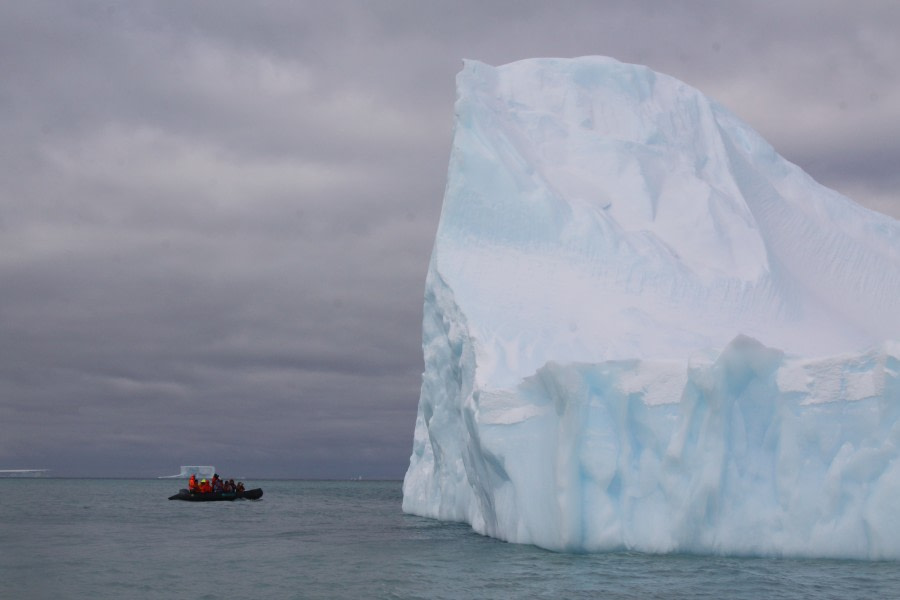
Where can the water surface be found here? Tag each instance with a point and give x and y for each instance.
(79, 538)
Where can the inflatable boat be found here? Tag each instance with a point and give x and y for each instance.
(254, 494)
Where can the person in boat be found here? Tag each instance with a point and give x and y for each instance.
(228, 486)
(205, 487)
(192, 483)
(240, 487)
(217, 483)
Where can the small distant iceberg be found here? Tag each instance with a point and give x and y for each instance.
(188, 470)
(23, 472)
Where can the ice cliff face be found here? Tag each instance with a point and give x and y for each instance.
(617, 260)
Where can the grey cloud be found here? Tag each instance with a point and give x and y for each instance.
(215, 224)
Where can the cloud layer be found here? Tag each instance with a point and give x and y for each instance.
(215, 224)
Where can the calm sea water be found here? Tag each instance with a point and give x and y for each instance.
(74, 538)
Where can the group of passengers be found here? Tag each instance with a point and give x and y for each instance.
(216, 485)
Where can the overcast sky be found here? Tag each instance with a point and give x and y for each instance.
(216, 217)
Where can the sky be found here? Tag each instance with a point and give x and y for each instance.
(216, 217)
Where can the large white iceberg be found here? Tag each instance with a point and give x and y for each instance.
(644, 329)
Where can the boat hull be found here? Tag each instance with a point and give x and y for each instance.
(254, 494)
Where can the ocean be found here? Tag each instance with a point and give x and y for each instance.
(122, 539)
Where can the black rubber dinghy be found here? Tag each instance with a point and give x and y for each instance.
(254, 494)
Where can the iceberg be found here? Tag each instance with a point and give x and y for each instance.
(188, 470)
(23, 472)
(644, 329)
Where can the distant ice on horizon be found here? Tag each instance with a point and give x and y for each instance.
(188, 470)
(645, 329)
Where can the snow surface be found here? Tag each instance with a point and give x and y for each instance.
(645, 329)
